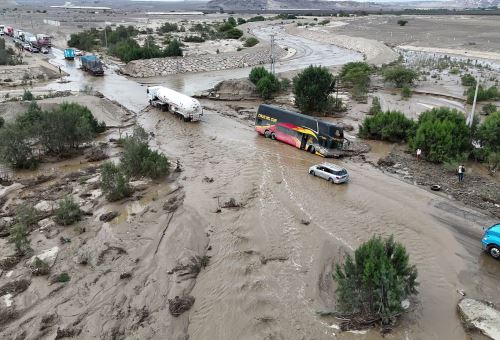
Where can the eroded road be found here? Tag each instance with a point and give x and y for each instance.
(269, 272)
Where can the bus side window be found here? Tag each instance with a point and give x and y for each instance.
(259, 121)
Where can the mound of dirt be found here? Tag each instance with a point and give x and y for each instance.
(234, 89)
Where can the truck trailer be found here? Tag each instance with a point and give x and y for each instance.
(69, 54)
(169, 100)
(92, 64)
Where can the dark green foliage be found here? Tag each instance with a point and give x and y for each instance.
(28, 96)
(62, 278)
(2, 122)
(257, 73)
(8, 55)
(15, 148)
(267, 84)
(391, 126)
(241, 21)
(312, 88)
(406, 92)
(400, 76)
(372, 285)
(113, 182)
(68, 212)
(249, 42)
(226, 26)
(487, 109)
(489, 133)
(375, 108)
(194, 39)
(284, 16)
(85, 113)
(39, 267)
(173, 49)
(442, 135)
(324, 22)
(357, 76)
(468, 80)
(483, 94)
(402, 22)
(233, 33)
(168, 27)
(232, 21)
(256, 18)
(128, 50)
(26, 218)
(139, 160)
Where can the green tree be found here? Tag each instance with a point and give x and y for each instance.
(489, 133)
(258, 73)
(173, 49)
(15, 148)
(267, 86)
(28, 96)
(113, 182)
(85, 113)
(443, 135)
(232, 21)
(400, 76)
(468, 80)
(249, 42)
(391, 126)
(487, 109)
(376, 107)
(483, 94)
(233, 33)
(357, 76)
(68, 212)
(168, 27)
(373, 284)
(312, 88)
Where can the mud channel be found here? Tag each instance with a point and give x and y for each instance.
(270, 256)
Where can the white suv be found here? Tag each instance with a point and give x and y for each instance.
(331, 172)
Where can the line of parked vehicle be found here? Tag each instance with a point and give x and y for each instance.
(26, 40)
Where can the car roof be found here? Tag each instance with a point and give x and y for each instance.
(331, 166)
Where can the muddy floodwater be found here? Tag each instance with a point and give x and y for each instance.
(269, 272)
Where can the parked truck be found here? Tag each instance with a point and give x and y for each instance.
(92, 64)
(69, 54)
(9, 30)
(186, 107)
(43, 40)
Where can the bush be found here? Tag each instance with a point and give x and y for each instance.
(232, 21)
(28, 96)
(233, 33)
(15, 148)
(312, 88)
(357, 76)
(256, 18)
(139, 160)
(168, 27)
(257, 73)
(442, 135)
(400, 76)
(62, 278)
(483, 94)
(489, 133)
(487, 109)
(68, 212)
(267, 85)
(226, 26)
(84, 113)
(39, 267)
(372, 285)
(173, 49)
(375, 108)
(468, 80)
(391, 126)
(194, 39)
(249, 42)
(241, 21)
(113, 183)
(402, 22)
(406, 92)
(19, 236)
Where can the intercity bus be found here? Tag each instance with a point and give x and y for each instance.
(303, 132)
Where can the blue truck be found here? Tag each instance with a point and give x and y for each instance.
(69, 54)
(92, 64)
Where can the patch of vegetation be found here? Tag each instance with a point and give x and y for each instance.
(194, 39)
(249, 42)
(375, 107)
(267, 84)
(113, 182)
(68, 212)
(468, 80)
(168, 28)
(2, 122)
(487, 109)
(233, 33)
(406, 92)
(483, 94)
(400, 76)
(139, 160)
(39, 267)
(312, 88)
(402, 22)
(256, 18)
(8, 55)
(25, 219)
(28, 96)
(241, 21)
(62, 278)
(128, 50)
(373, 284)
(489, 133)
(391, 126)
(356, 75)
(442, 134)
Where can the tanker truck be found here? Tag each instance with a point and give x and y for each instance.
(169, 100)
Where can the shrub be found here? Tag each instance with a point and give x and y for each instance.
(68, 212)
(19, 236)
(391, 126)
(375, 108)
(15, 148)
(232, 21)
(233, 33)
(257, 73)
(113, 183)
(168, 27)
(483, 94)
(173, 49)
(226, 26)
(372, 285)
(357, 76)
(241, 21)
(442, 134)
(400, 76)
(62, 278)
(468, 80)
(194, 39)
(139, 160)
(489, 133)
(249, 42)
(402, 22)
(86, 114)
(487, 109)
(406, 92)
(28, 96)
(267, 85)
(39, 267)
(257, 18)
(312, 88)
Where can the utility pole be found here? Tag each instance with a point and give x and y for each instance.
(272, 53)
(471, 116)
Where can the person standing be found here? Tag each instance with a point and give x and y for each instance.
(461, 171)
(419, 154)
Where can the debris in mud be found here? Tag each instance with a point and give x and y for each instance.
(69, 332)
(7, 315)
(10, 262)
(108, 217)
(174, 202)
(96, 154)
(39, 267)
(188, 268)
(265, 260)
(231, 203)
(48, 321)
(385, 161)
(207, 179)
(109, 251)
(126, 275)
(179, 305)
(305, 222)
(15, 287)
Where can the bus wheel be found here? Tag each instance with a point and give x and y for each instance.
(312, 150)
(267, 133)
(273, 136)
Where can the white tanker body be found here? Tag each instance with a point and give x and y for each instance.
(169, 100)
